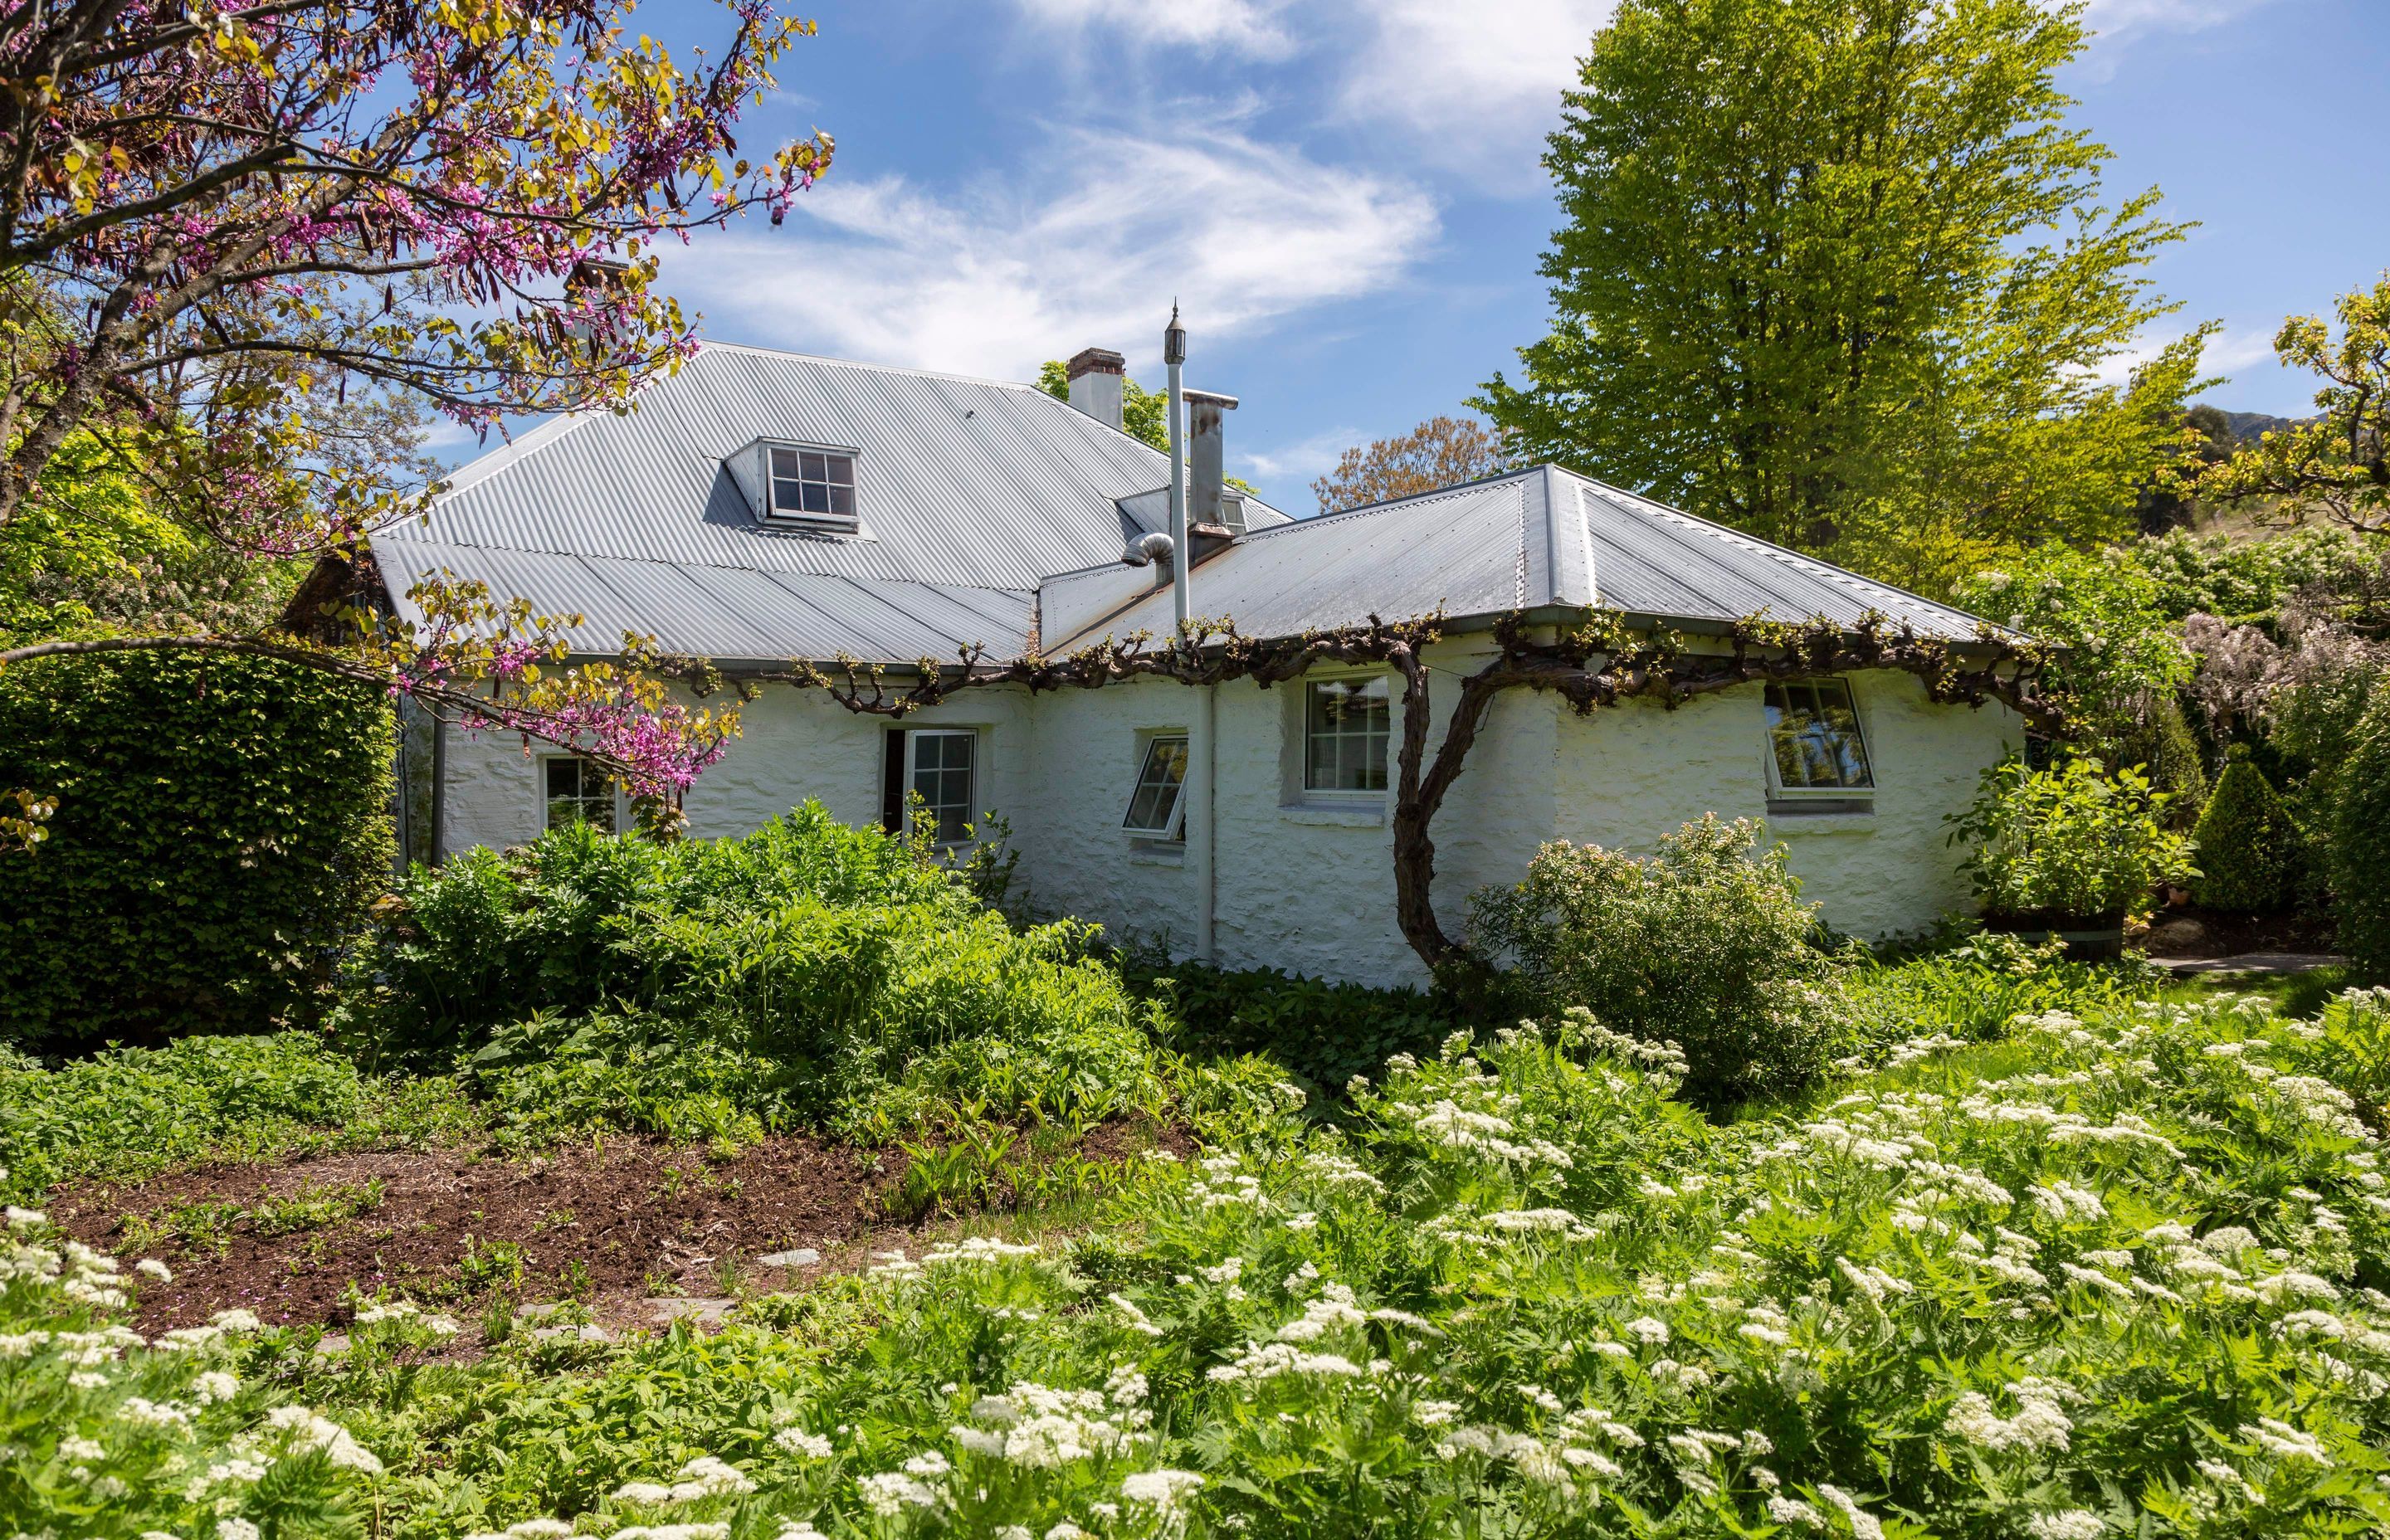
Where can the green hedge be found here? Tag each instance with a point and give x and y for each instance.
(222, 823)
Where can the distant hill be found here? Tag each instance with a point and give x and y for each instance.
(2246, 426)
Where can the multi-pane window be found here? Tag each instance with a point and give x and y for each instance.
(1154, 807)
(1813, 733)
(942, 766)
(1345, 724)
(576, 793)
(813, 484)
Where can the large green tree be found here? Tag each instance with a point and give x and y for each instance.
(1837, 272)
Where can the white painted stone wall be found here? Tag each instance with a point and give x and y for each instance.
(1307, 885)
(1627, 776)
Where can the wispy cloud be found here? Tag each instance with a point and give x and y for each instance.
(1241, 27)
(2117, 23)
(1291, 465)
(2228, 352)
(1460, 80)
(1091, 247)
(1453, 81)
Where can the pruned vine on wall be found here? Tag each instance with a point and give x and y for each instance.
(1595, 660)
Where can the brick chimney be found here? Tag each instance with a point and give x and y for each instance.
(1096, 375)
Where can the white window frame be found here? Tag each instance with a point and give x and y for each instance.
(541, 798)
(913, 739)
(1789, 795)
(1345, 796)
(1172, 828)
(850, 521)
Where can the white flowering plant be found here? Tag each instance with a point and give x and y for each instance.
(2117, 1274)
(114, 1435)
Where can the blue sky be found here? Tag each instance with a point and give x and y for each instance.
(1344, 197)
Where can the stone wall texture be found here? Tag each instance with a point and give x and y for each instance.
(1306, 884)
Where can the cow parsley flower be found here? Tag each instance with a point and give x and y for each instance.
(796, 1441)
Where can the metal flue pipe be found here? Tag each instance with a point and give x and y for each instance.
(1197, 791)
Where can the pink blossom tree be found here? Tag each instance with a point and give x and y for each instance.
(215, 217)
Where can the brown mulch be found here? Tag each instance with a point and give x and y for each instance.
(2187, 931)
(636, 1217)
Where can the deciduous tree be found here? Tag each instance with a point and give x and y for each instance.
(1440, 452)
(1835, 272)
(217, 218)
(2337, 462)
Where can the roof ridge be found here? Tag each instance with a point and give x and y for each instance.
(1381, 504)
(1025, 387)
(1827, 571)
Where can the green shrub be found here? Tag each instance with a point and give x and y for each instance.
(223, 824)
(2247, 847)
(1326, 1032)
(804, 973)
(2360, 843)
(2072, 842)
(127, 1113)
(489, 938)
(1701, 945)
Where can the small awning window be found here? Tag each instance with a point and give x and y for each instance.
(1154, 806)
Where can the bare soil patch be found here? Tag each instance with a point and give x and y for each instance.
(615, 1225)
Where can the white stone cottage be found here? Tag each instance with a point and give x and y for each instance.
(761, 507)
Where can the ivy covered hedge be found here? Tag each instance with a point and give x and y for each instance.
(222, 823)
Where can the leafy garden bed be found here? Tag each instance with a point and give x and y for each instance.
(2112, 1269)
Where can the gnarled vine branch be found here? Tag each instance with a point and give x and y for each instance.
(1595, 660)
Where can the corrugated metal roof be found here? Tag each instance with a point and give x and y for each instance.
(725, 612)
(975, 495)
(1534, 538)
(970, 490)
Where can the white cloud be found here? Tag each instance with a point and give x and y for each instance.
(1241, 27)
(2229, 353)
(1298, 463)
(1088, 248)
(1461, 78)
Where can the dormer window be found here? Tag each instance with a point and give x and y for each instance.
(812, 484)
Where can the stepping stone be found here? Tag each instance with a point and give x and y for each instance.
(331, 1345)
(804, 1256)
(577, 1333)
(708, 1312)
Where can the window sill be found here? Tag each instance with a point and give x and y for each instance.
(1839, 819)
(1357, 815)
(1140, 854)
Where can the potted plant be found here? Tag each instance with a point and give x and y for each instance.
(2069, 851)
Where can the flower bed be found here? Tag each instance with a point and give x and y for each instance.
(2117, 1274)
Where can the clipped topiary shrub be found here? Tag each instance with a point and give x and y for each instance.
(2360, 843)
(2246, 844)
(223, 824)
(1705, 945)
